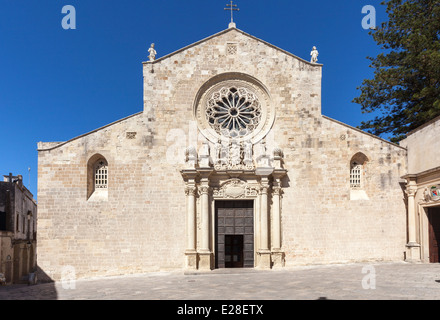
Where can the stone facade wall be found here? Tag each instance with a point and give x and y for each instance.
(423, 175)
(423, 141)
(320, 222)
(134, 230)
(6, 255)
(18, 238)
(141, 225)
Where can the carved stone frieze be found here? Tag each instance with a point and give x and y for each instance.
(233, 156)
(235, 189)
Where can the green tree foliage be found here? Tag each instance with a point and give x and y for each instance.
(406, 84)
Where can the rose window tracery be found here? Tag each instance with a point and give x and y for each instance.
(233, 112)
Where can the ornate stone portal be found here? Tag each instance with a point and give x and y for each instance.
(234, 113)
(233, 174)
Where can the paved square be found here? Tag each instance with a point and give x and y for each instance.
(375, 281)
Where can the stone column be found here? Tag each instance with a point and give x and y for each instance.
(413, 248)
(190, 253)
(190, 175)
(264, 243)
(264, 256)
(205, 254)
(204, 203)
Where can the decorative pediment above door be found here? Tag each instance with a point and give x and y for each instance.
(236, 189)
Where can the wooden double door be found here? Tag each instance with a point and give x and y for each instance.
(434, 234)
(234, 236)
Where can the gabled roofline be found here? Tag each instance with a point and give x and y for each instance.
(366, 133)
(223, 32)
(86, 134)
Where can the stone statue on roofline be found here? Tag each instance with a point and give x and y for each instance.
(152, 53)
(314, 54)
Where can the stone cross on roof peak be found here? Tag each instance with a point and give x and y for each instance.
(232, 7)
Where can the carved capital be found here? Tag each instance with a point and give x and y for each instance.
(277, 191)
(203, 190)
(190, 191)
(411, 191)
(264, 189)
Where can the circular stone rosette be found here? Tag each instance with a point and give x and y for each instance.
(234, 110)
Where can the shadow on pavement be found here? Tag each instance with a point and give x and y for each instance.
(43, 290)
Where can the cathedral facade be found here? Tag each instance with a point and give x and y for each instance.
(229, 164)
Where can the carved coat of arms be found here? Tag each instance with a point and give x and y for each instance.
(434, 193)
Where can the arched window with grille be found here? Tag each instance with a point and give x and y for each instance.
(97, 178)
(358, 177)
(101, 174)
(355, 175)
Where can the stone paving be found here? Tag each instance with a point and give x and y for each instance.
(376, 281)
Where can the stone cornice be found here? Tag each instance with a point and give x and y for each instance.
(414, 176)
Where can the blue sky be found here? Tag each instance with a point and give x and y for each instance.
(56, 84)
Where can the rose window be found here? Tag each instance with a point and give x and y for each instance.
(233, 112)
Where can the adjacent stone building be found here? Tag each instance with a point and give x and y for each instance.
(423, 192)
(229, 164)
(18, 225)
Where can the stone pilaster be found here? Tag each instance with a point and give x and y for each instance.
(413, 248)
(191, 253)
(277, 252)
